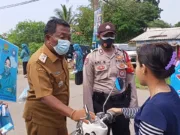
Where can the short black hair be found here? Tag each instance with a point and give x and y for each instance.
(156, 57)
(8, 59)
(50, 27)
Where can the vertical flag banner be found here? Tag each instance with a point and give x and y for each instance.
(8, 70)
(97, 23)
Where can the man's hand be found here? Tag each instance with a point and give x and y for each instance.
(81, 115)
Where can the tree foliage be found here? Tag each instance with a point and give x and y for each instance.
(130, 17)
(27, 32)
(34, 47)
(65, 14)
(159, 24)
(83, 30)
(177, 24)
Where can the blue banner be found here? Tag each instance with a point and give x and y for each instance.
(8, 70)
(175, 78)
(97, 23)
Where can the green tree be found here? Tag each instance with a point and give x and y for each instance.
(130, 17)
(155, 2)
(159, 24)
(34, 47)
(83, 30)
(177, 24)
(65, 14)
(27, 32)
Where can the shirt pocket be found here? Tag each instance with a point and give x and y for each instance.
(58, 80)
(101, 71)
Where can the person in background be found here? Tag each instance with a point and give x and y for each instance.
(78, 61)
(25, 55)
(7, 81)
(160, 114)
(46, 107)
(101, 68)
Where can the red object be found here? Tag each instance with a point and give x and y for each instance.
(178, 76)
(130, 68)
(101, 67)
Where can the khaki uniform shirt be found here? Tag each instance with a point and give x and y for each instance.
(47, 75)
(100, 72)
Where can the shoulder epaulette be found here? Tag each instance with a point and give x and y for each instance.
(95, 50)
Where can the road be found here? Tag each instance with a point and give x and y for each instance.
(16, 109)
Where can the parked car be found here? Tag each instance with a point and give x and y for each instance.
(131, 50)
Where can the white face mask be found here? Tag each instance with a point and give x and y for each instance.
(62, 47)
(106, 38)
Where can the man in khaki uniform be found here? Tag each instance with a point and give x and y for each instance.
(46, 107)
(101, 69)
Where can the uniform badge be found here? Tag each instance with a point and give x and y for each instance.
(119, 57)
(108, 27)
(101, 51)
(60, 84)
(122, 65)
(57, 73)
(122, 73)
(101, 67)
(43, 57)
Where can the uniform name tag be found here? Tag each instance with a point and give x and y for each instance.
(56, 73)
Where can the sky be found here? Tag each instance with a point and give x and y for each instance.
(42, 10)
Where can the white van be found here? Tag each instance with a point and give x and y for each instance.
(131, 50)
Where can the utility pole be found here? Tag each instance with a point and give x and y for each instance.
(95, 4)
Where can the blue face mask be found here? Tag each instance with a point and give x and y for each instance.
(6, 70)
(62, 47)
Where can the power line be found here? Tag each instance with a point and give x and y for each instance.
(18, 4)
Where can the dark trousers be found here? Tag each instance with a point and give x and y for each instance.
(121, 124)
(79, 78)
(24, 68)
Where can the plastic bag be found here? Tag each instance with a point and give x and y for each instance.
(24, 94)
(6, 123)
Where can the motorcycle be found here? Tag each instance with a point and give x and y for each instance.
(98, 126)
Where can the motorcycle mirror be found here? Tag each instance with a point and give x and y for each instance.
(88, 116)
(118, 84)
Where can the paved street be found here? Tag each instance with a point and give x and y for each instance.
(16, 109)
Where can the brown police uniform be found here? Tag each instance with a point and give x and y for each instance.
(100, 72)
(47, 75)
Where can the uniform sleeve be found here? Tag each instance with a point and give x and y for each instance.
(152, 115)
(130, 68)
(88, 82)
(134, 98)
(40, 80)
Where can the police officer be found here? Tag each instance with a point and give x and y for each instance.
(46, 107)
(101, 68)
